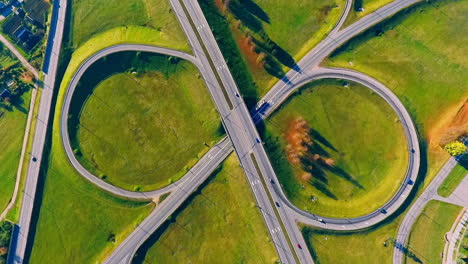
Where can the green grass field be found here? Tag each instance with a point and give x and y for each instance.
(91, 17)
(452, 181)
(12, 125)
(159, 120)
(6, 58)
(365, 247)
(221, 224)
(419, 55)
(285, 32)
(427, 237)
(356, 128)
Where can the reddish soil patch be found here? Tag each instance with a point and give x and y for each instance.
(26, 77)
(299, 140)
(247, 48)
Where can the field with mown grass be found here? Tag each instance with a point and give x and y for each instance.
(92, 17)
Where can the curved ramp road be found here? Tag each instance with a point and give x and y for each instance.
(66, 108)
(413, 149)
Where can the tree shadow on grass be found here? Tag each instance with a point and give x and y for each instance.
(251, 16)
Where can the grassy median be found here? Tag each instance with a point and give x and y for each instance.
(219, 224)
(361, 8)
(358, 155)
(158, 115)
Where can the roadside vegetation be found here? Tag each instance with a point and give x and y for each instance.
(218, 224)
(419, 55)
(427, 237)
(159, 119)
(6, 230)
(462, 255)
(262, 39)
(337, 148)
(453, 180)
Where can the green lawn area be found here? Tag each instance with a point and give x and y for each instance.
(358, 130)
(12, 125)
(419, 55)
(452, 181)
(365, 247)
(220, 224)
(368, 6)
(427, 237)
(6, 58)
(282, 31)
(159, 119)
(91, 17)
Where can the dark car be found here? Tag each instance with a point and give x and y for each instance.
(258, 140)
(277, 204)
(299, 246)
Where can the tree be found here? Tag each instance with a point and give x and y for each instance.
(455, 148)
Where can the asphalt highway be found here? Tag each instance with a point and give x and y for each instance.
(21, 234)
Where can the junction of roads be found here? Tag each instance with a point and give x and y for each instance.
(242, 137)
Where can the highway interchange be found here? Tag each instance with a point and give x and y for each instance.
(240, 126)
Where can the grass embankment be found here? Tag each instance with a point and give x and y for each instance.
(419, 55)
(452, 181)
(155, 17)
(361, 8)
(262, 39)
(427, 237)
(12, 125)
(214, 225)
(159, 119)
(354, 127)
